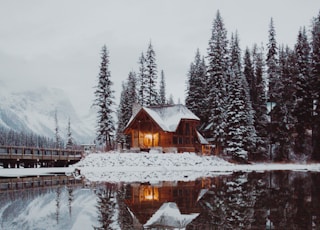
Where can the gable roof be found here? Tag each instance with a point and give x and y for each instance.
(170, 216)
(167, 117)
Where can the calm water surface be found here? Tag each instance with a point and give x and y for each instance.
(270, 200)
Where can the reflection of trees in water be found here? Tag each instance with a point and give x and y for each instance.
(70, 199)
(58, 197)
(106, 206)
(111, 200)
(125, 218)
(284, 200)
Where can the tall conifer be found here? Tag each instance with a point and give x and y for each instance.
(315, 74)
(104, 102)
(162, 91)
(197, 88)
(240, 132)
(259, 102)
(217, 61)
(151, 76)
(127, 99)
(303, 96)
(142, 81)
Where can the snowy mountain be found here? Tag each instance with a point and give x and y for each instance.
(35, 110)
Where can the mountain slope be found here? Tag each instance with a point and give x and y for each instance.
(34, 111)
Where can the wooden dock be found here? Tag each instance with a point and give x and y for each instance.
(28, 157)
(48, 181)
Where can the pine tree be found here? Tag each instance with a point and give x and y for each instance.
(162, 91)
(197, 88)
(132, 92)
(69, 136)
(273, 80)
(248, 72)
(104, 102)
(272, 63)
(57, 131)
(282, 112)
(143, 81)
(151, 76)
(170, 100)
(315, 74)
(217, 74)
(240, 132)
(120, 137)
(303, 97)
(259, 102)
(127, 99)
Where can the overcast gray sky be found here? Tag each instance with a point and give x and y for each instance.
(58, 43)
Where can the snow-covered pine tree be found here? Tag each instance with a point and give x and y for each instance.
(104, 102)
(217, 61)
(162, 90)
(303, 96)
(240, 131)
(57, 136)
(132, 92)
(69, 143)
(143, 81)
(248, 72)
(282, 112)
(272, 64)
(315, 74)
(151, 76)
(127, 99)
(120, 137)
(259, 102)
(197, 89)
(170, 100)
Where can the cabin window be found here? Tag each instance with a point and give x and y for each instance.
(149, 193)
(180, 140)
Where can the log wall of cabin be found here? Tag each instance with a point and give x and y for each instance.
(185, 137)
(146, 134)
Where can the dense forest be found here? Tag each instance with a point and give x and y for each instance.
(10, 137)
(260, 104)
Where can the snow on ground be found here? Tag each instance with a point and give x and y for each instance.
(149, 167)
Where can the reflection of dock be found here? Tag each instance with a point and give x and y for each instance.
(30, 157)
(23, 183)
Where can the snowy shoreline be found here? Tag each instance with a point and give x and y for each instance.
(144, 167)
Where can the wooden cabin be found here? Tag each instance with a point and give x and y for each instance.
(171, 128)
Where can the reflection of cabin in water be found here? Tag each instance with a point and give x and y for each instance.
(172, 128)
(145, 200)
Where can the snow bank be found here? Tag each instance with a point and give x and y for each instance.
(146, 167)
(154, 167)
(143, 167)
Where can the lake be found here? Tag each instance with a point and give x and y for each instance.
(241, 200)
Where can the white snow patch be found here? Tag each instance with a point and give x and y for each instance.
(147, 167)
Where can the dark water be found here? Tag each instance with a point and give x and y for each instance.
(270, 200)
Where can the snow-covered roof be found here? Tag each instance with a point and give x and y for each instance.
(202, 140)
(168, 117)
(169, 216)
